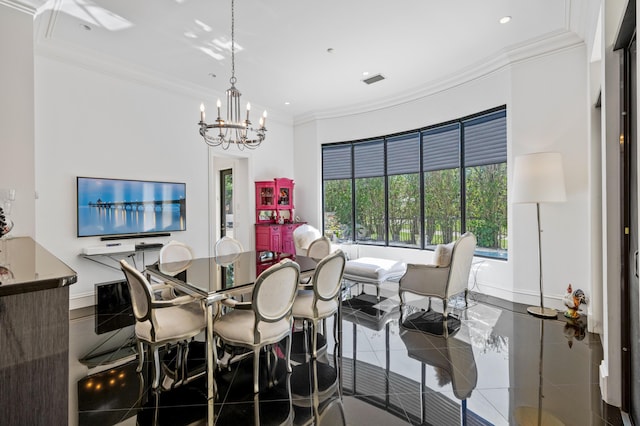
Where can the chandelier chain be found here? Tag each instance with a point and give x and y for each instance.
(235, 129)
(233, 43)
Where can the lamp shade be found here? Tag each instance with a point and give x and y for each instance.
(538, 178)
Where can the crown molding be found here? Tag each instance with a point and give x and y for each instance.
(95, 62)
(18, 5)
(532, 49)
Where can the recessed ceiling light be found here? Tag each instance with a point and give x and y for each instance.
(505, 19)
(287, 103)
(85, 27)
(366, 73)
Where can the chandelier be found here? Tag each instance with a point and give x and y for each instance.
(233, 130)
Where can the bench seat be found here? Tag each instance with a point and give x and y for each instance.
(373, 270)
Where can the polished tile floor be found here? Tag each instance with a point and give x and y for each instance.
(490, 364)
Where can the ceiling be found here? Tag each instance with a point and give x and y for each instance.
(283, 46)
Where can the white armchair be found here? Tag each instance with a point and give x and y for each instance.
(447, 277)
(303, 236)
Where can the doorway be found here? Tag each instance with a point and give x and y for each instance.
(226, 203)
(630, 312)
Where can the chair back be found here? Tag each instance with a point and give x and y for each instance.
(140, 291)
(274, 291)
(461, 258)
(227, 246)
(319, 248)
(328, 276)
(175, 257)
(303, 236)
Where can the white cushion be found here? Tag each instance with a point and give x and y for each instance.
(373, 270)
(442, 254)
(303, 306)
(173, 323)
(237, 327)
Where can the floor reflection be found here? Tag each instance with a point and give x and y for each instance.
(486, 364)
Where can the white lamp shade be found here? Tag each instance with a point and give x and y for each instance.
(538, 178)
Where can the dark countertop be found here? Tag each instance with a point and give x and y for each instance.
(26, 266)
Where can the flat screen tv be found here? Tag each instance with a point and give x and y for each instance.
(121, 207)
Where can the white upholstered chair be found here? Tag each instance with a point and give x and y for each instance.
(448, 276)
(303, 236)
(318, 249)
(175, 257)
(324, 300)
(160, 322)
(227, 246)
(265, 320)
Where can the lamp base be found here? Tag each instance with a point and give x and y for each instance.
(541, 312)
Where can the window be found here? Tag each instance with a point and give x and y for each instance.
(421, 188)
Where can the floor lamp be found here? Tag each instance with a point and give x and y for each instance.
(539, 178)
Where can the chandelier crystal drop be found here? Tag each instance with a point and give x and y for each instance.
(234, 130)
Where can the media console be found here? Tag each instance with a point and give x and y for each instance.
(109, 254)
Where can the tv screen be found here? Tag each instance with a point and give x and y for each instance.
(111, 207)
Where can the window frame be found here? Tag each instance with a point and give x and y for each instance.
(463, 124)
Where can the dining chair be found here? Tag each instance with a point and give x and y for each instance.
(161, 322)
(175, 257)
(323, 300)
(318, 249)
(227, 246)
(263, 321)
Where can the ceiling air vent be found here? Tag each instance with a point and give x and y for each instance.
(374, 79)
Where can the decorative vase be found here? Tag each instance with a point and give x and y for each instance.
(6, 224)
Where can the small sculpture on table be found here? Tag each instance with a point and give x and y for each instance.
(572, 300)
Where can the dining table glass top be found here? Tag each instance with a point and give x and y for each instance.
(222, 275)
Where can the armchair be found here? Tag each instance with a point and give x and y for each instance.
(303, 236)
(447, 277)
(160, 322)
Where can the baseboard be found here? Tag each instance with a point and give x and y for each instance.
(82, 300)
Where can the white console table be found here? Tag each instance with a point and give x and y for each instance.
(109, 255)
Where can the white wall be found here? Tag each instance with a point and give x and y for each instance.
(545, 97)
(16, 117)
(109, 124)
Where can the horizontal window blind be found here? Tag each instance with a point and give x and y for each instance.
(336, 162)
(485, 139)
(368, 159)
(403, 154)
(441, 148)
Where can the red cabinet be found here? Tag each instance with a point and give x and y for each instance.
(274, 216)
(274, 200)
(274, 237)
(268, 237)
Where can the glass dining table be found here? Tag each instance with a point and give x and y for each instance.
(217, 278)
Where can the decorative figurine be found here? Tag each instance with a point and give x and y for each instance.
(572, 300)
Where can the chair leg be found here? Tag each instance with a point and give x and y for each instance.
(288, 355)
(140, 356)
(466, 297)
(156, 367)
(256, 369)
(314, 337)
